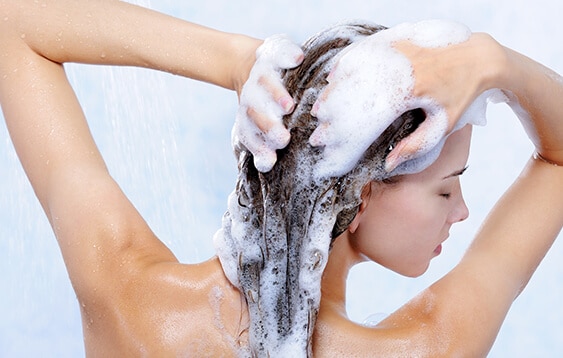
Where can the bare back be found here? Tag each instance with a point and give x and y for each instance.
(170, 309)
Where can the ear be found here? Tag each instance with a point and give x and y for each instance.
(365, 196)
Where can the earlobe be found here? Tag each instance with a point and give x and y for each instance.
(365, 196)
(355, 223)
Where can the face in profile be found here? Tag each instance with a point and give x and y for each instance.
(402, 225)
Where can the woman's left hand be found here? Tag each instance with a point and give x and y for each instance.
(438, 66)
(454, 77)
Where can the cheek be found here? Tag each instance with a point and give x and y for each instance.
(401, 232)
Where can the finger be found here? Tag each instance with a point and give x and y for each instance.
(255, 143)
(274, 132)
(396, 156)
(324, 96)
(278, 137)
(318, 103)
(281, 51)
(318, 137)
(420, 142)
(326, 91)
(260, 120)
(264, 161)
(278, 92)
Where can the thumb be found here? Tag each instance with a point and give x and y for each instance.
(425, 138)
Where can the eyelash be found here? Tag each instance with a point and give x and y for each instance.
(445, 195)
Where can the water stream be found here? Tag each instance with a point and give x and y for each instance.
(167, 142)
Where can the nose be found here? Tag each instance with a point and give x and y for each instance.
(460, 211)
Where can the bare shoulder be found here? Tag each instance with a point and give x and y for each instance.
(412, 331)
(167, 309)
(461, 314)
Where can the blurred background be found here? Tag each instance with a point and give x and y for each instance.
(167, 142)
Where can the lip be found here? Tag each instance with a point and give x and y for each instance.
(438, 250)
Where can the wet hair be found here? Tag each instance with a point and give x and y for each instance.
(304, 83)
(281, 224)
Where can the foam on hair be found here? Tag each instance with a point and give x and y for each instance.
(277, 232)
(278, 228)
(372, 85)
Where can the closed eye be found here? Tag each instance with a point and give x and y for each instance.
(456, 173)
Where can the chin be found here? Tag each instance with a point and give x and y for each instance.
(414, 275)
(413, 269)
(413, 272)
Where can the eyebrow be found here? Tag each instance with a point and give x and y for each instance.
(456, 173)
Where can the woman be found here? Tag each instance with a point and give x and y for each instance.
(280, 224)
(137, 299)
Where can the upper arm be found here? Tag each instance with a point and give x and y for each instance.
(94, 222)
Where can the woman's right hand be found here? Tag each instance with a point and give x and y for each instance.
(264, 101)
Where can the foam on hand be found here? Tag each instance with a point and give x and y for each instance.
(371, 86)
(275, 54)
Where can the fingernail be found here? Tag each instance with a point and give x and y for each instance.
(287, 104)
(395, 157)
(390, 164)
(315, 108)
(316, 139)
(393, 160)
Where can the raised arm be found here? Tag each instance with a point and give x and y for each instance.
(118, 33)
(454, 76)
(116, 264)
(45, 120)
(38, 36)
(466, 308)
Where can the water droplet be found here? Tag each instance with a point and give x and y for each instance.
(374, 319)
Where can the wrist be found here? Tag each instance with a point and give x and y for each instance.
(244, 48)
(494, 63)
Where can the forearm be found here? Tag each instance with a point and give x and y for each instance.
(539, 92)
(524, 223)
(521, 228)
(117, 33)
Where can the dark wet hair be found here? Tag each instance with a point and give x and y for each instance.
(320, 51)
(283, 208)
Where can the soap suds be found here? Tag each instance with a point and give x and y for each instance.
(371, 86)
(276, 235)
(275, 54)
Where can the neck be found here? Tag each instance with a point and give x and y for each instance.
(342, 258)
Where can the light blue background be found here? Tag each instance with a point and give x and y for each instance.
(167, 142)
